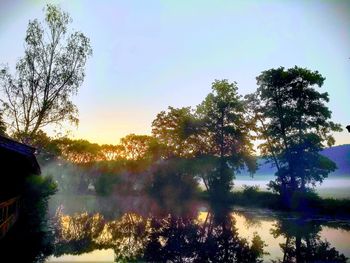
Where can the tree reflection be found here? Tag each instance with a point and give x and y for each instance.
(183, 240)
(303, 242)
(171, 238)
(205, 234)
(82, 233)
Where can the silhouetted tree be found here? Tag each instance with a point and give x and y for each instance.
(226, 134)
(171, 129)
(47, 149)
(50, 72)
(294, 126)
(136, 146)
(110, 152)
(78, 151)
(172, 183)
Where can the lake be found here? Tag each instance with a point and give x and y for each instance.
(125, 228)
(269, 228)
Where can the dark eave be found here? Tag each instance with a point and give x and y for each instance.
(15, 146)
(22, 149)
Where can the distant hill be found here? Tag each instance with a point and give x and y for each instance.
(338, 154)
(341, 156)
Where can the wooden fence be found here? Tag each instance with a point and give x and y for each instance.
(9, 211)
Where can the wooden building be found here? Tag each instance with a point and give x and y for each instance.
(17, 161)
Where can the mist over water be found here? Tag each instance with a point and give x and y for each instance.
(335, 186)
(77, 192)
(274, 229)
(78, 199)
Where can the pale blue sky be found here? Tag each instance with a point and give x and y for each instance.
(152, 54)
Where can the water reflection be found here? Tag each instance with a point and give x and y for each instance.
(212, 235)
(82, 233)
(157, 239)
(302, 242)
(187, 240)
(139, 229)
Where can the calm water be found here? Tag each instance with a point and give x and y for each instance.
(338, 238)
(127, 227)
(124, 228)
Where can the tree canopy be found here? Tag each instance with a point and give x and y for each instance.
(294, 124)
(226, 134)
(49, 73)
(172, 130)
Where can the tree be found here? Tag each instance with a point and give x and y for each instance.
(172, 183)
(49, 73)
(47, 149)
(135, 146)
(294, 126)
(226, 134)
(79, 151)
(171, 129)
(2, 125)
(110, 152)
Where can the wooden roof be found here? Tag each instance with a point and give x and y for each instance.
(25, 150)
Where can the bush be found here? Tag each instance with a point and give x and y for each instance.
(105, 183)
(171, 184)
(32, 232)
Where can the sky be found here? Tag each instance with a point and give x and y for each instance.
(148, 55)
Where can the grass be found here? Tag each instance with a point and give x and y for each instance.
(251, 196)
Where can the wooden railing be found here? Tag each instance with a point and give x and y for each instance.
(9, 211)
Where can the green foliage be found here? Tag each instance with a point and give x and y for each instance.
(37, 193)
(252, 197)
(49, 73)
(250, 190)
(33, 234)
(35, 199)
(105, 183)
(294, 126)
(172, 128)
(327, 206)
(122, 177)
(226, 134)
(78, 151)
(224, 128)
(47, 150)
(172, 183)
(215, 138)
(136, 147)
(304, 202)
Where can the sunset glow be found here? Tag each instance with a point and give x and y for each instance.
(148, 56)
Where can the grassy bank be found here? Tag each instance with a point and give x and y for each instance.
(310, 203)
